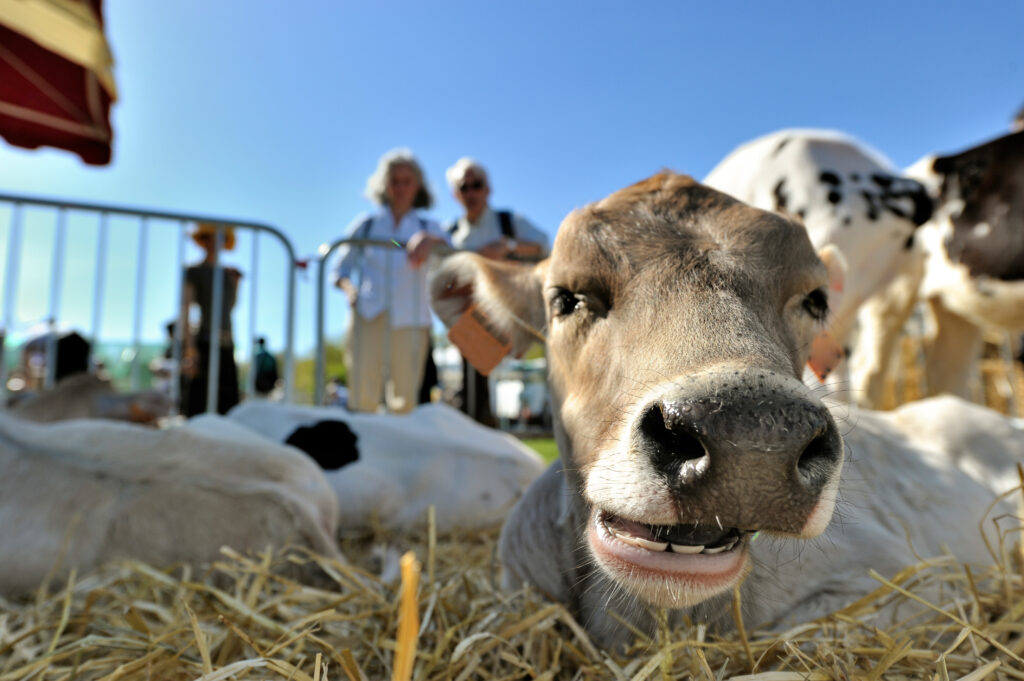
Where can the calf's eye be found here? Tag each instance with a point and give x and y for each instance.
(816, 304)
(564, 302)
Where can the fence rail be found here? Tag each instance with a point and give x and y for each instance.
(145, 218)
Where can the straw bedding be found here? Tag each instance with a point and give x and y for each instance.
(245, 618)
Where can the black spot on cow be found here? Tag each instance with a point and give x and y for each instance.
(872, 205)
(897, 211)
(903, 197)
(332, 444)
(882, 180)
(830, 177)
(778, 147)
(855, 177)
(847, 220)
(802, 213)
(909, 243)
(834, 196)
(923, 204)
(779, 192)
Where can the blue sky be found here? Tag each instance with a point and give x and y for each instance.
(247, 110)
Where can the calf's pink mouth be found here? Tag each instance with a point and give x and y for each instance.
(703, 558)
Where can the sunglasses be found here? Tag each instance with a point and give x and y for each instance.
(471, 186)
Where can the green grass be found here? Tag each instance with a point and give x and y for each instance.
(545, 446)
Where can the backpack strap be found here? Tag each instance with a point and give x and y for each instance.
(505, 219)
(363, 230)
(453, 227)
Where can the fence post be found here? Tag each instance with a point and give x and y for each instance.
(250, 378)
(216, 312)
(140, 297)
(10, 299)
(99, 284)
(181, 321)
(320, 358)
(56, 282)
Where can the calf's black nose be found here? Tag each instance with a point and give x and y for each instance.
(743, 445)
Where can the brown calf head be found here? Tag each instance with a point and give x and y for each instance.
(677, 321)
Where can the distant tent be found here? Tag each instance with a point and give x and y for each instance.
(56, 78)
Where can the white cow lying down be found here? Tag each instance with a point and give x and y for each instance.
(85, 492)
(387, 469)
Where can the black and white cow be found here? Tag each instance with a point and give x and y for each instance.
(388, 469)
(846, 195)
(972, 253)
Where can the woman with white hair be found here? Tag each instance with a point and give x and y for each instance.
(387, 287)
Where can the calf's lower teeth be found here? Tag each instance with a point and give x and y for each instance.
(683, 548)
(642, 543)
(651, 545)
(715, 549)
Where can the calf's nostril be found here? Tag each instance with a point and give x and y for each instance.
(667, 428)
(818, 459)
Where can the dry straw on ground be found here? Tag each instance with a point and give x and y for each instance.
(245, 618)
(999, 383)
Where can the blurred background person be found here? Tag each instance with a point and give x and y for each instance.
(387, 288)
(162, 367)
(265, 367)
(212, 335)
(499, 235)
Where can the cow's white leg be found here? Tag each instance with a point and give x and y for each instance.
(882, 319)
(951, 354)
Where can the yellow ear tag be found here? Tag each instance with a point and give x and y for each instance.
(479, 344)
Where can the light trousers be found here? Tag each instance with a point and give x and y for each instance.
(372, 342)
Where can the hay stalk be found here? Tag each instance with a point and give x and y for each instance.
(408, 619)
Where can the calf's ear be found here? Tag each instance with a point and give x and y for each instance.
(826, 353)
(835, 265)
(508, 294)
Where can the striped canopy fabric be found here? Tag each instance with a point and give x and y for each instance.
(56, 78)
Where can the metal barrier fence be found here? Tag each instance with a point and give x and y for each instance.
(101, 216)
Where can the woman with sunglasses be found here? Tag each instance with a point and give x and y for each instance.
(499, 235)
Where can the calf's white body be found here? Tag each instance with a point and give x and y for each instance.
(80, 493)
(405, 463)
